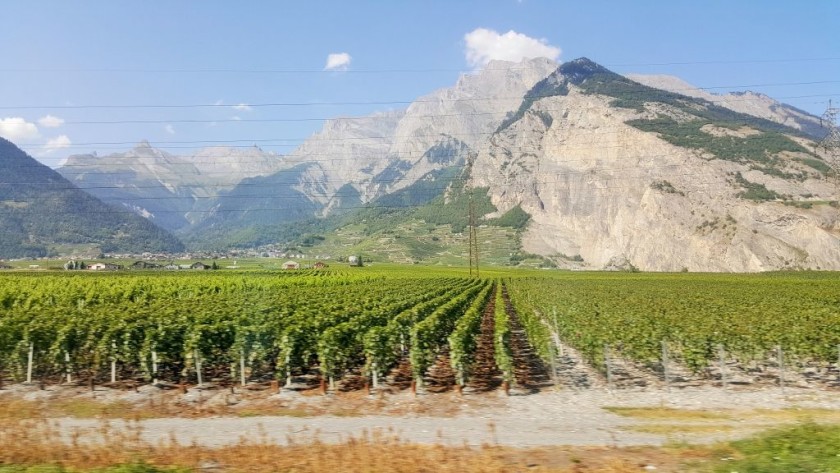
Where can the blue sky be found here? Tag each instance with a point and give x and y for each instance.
(62, 55)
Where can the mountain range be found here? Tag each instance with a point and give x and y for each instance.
(575, 165)
(41, 214)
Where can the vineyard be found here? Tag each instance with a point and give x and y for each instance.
(426, 329)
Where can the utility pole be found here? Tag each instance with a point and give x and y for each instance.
(473, 231)
(831, 143)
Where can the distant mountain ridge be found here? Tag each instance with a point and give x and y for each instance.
(750, 103)
(42, 213)
(172, 191)
(596, 170)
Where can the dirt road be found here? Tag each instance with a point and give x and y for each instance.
(552, 417)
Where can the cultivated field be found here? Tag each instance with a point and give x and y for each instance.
(426, 355)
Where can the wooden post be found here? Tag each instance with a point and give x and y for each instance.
(608, 365)
(288, 370)
(414, 387)
(665, 373)
(838, 362)
(375, 375)
(722, 365)
(242, 368)
(553, 362)
(275, 386)
(197, 359)
(154, 367)
(113, 362)
(781, 358)
(556, 333)
(67, 366)
(29, 363)
(506, 387)
(323, 386)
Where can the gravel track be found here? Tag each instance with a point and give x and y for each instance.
(550, 417)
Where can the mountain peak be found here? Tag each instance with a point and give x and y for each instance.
(143, 144)
(580, 69)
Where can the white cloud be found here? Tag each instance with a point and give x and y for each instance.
(57, 143)
(338, 62)
(484, 45)
(244, 107)
(50, 121)
(16, 129)
(169, 129)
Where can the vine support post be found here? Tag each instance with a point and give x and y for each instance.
(197, 360)
(556, 335)
(67, 367)
(242, 368)
(838, 362)
(29, 363)
(666, 375)
(608, 365)
(552, 360)
(154, 367)
(288, 370)
(375, 375)
(781, 359)
(722, 365)
(113, 362)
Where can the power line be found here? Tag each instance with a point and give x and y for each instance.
(384, 102)
(290, 139)
(696, 186)
(292, 161)
(228, 70)
(443, 184)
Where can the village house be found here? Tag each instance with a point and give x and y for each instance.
(144, 265)
(319, 265)
(291, 265)
(104, 267)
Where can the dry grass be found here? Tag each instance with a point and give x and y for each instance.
(106, 403)
(673, 429)
(667, 413)
(40, 442)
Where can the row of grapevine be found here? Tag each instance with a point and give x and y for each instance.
(501, 338)
(385, 345)
(163, 327)
(429, 335)
(693, 315)
(462, 340)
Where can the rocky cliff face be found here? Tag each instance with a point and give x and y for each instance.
(621, 197)
(385, 152)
